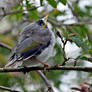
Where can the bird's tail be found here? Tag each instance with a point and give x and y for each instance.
(10, 63)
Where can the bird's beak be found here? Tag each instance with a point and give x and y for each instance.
(45, 19)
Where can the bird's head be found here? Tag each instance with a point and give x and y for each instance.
(43, 22)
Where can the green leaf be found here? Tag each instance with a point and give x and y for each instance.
(54, 76)
(63, 1)
(5, 79)
(18, 16)
(53, 3)
(80, 43)
(33, 15)
(58, 58)
(41, 2)
(28, 5)
(84, 58)
(81, 30)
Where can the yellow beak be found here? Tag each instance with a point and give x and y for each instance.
(45, 19)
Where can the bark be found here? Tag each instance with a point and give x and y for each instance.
(7, 5)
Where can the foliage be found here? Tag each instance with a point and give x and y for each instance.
(75, 34)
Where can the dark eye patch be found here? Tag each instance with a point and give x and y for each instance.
(40, 22)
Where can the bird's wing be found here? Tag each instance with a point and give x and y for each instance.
(32, 41)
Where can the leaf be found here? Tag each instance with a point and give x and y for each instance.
(54, 76)
(89, 50)
(2, 60)
(58, 58)
(7, 40)
(53, 3)
(55, 12)
(17, 16)
(4, 79)
(84, 58)
(33, 15)
(41, 2)
(63, 1)
(79, 43)
(81, 30)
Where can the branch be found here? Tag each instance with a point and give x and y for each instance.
(18, 11)
(50, 89)
(39, 72)
(7, 5)
(5, 46)
(8, 89)
(73, 12)
(76, 68)
(63, 48)
(59, 24)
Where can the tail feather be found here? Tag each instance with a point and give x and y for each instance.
(10, 63)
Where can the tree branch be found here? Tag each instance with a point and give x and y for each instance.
(8, 89)
(50, 89)
(72, 10)
(5, 46)
(63, 48)
(7, 5)
(38, 71)
(18, 11)
(59, 24)
(76, 68)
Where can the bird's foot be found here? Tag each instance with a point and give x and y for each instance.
(45, 68)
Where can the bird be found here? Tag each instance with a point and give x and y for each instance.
(34, 46)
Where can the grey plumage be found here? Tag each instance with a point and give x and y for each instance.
(30, 34)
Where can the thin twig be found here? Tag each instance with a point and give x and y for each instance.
(5, 46)
(50, 89)
(63, 48)
(8, 89)
(59, 24)
(18, 11)
(73, 12)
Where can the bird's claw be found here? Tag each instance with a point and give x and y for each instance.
(45, 67)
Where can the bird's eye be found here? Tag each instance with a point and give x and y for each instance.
(40, 22)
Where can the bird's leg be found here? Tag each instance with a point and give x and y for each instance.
(45, 65)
